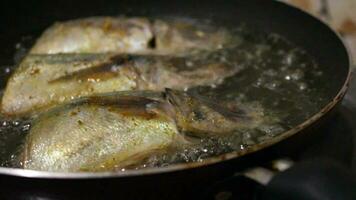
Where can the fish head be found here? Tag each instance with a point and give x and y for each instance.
(183, 35)
(198, 116)
(180, 100)
(192, 116)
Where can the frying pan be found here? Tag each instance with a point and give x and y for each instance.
(180, 180)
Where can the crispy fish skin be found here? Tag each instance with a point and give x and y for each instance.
(176, 36)
(116, 130)
(95, 35)
(43, 81)
(97, 137)
(32, 86)
(200, 116)
(130, 35)
(72, 59)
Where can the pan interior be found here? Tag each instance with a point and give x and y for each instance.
(285, 73)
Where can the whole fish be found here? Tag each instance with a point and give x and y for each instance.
(43, 81)
(130, 35)
(119, 130)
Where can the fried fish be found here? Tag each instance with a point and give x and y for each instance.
(43, 81)
(117, 130)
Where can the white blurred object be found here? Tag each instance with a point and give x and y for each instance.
(340, 14)
(260, 175)
(263, 175)
(343, 15)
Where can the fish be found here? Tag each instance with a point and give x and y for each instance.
(184, 36)
(45, 80)
(119, 130)
(199, 116)
(93, 137)
(137, 35)
(105, 54)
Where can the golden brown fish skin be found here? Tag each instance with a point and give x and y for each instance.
(181, 35)
(130, 35)
(75, 58)
(43, 81)
(198, 115)
(91, 135)
(36, 84)
(95, 35)
(161, 72)
(121, 129)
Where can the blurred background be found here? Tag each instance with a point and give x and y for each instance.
(340, 14)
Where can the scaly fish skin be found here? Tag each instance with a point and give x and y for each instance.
(87, 56)
(93, 137)
(43, 81)
(130, 35)
(33, 85)
(185, 36)
(198, 115)
(122, 129)
(95, 35)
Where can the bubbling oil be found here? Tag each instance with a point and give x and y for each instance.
(276, 76)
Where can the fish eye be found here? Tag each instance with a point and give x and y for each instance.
(198, 115)
(152, 43)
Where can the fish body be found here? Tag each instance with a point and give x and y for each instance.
(103, 84)
(43, 81)
(186, 36)
(95, 35)
(199, 116)
(130, 35)
(92, 137)
(89, 56)
(122, 129)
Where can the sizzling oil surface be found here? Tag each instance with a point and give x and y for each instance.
(276, 76)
